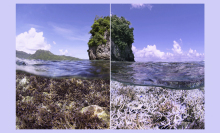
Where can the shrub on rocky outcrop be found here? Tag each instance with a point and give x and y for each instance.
(98, 29)
(121, 33)
(121, 39)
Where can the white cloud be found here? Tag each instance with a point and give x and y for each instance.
(134, 49)
(176, 48)
(31, 41)
(138, 6)
(151, 53)
(149, 6)
(54, 42)
(181, 40)
(63, 52)
(194, 53)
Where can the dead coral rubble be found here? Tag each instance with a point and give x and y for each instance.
(48, 103)
(139, 107)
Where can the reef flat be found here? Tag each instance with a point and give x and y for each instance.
(61, 103)
(148, 107)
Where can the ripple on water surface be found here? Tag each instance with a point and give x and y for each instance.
(78, 68)
(176, 75)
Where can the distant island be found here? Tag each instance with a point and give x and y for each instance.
(43, 55)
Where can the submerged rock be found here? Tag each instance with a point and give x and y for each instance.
(96, 110)
(21, 63)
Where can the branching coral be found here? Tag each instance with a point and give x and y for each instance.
(156, 108)
(47, 103)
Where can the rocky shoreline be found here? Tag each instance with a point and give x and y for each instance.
(147, 107)
(67, 103)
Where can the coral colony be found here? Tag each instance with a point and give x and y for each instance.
(147, 107)
(49, 103)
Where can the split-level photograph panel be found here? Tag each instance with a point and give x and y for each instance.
(63, 54)
(157, 66)
(62, 66)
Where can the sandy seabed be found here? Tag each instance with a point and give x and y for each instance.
(67, 103)
(148, 107)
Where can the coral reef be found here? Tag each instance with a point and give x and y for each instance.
(98, 111)
(52, 103)
(148, 107)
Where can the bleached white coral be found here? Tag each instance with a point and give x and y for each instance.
(155, 107)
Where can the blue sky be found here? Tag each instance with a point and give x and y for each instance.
(165, 32)
(62, 29)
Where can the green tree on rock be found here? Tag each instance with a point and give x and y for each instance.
(98, 29)
(121, 34)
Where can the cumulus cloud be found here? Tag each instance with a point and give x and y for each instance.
(138, 6)
(194, 53)
(176, 48)
(151, 53)
(63, 52)
(31, 41)
(54, 42)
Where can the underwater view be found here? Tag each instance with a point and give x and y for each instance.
(157, 95)
(62, 94)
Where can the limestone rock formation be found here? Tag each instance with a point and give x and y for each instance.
(102, 51)
(117, 54)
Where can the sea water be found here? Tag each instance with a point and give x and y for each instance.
(175, 75)
(65, 68)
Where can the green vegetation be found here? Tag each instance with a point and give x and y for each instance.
(121, 34)
(43, 55)
(98, 29)
(21, 54)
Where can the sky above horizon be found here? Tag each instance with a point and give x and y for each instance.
(165, 32)
(62, 29)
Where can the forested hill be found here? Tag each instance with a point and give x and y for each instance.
(43, 55)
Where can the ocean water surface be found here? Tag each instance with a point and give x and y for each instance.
(174, 75)
(61, 69)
